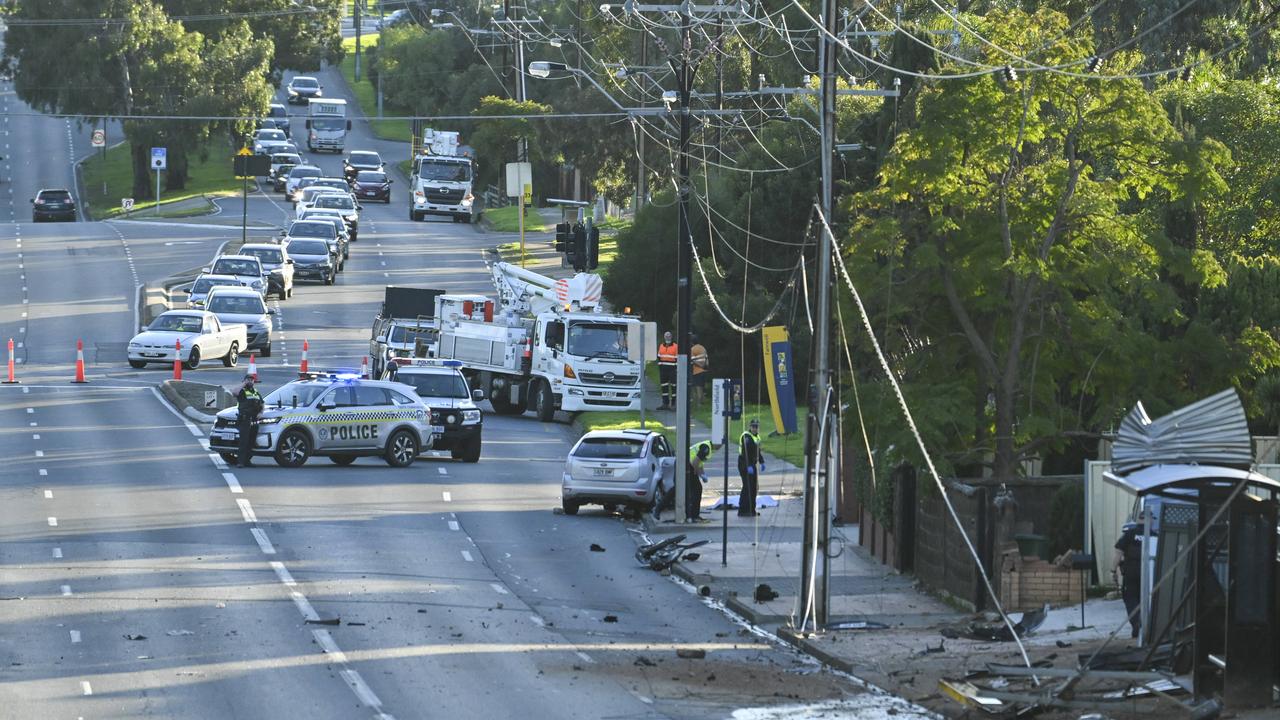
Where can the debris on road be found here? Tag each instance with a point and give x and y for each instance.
(610, 618)
(131, 636)
(999, 631)
(691, 653)
(644, 661)
(178, 633)
(596, 548)
(764, 593)
(335, 620)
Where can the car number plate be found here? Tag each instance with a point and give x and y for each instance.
(370, 193)
(602, 472)
(439, 429)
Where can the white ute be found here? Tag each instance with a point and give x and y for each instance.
(202, 336)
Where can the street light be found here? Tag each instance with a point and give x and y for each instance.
(543, 68)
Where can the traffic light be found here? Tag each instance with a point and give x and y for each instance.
(579, 256)
(564, 236)
(593, 248)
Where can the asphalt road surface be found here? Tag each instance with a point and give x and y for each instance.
(140, 577)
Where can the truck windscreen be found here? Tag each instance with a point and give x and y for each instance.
(596, 339)
(328, 124)
(445, 171)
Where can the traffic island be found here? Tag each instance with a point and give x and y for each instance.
(199, 401)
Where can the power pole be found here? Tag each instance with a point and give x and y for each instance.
(814, 592)
(684, 270)
(642, 177)
(381, 22)
(356, 6)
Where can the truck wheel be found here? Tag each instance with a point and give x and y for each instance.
(501, 404)
(546, 402)
(232, 357)
(193, 360)
(402, 449)
(293, 450)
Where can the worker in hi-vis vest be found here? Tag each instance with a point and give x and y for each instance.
(668, 353)
(750, 465)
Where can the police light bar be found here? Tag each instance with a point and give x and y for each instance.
(333, 374)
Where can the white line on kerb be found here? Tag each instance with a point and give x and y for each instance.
(246, 510)
(263, 542)
(282, 572)
(467, 556)
(499, 589)
(447, 497)
(75, 636)
(232, 482)
(66, 591)
(85, 687)
(453, 524)
(304, 606)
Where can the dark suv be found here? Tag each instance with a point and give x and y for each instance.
(53, 205)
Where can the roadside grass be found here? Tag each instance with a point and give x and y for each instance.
(507, 219)
(630, 420)
(210, 176)
(367, 94)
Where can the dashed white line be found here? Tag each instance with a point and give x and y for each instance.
(48, 494)
(282, 572)
(330, 648)
(246, 510)
(538, 621)
(43, 472)
(35, 436)
(263, 543)
(75, 636)
(362, 691)
(304, 606)
(85, 687)
(447, 496)
(39, 453)
(453, 524)
(585, 657)
(499, 589)
(57, 552)
(30, 411)
(66, 591)
(442, 471)
(467, 556)
(53, 522)
(232, 482)
(217, 461)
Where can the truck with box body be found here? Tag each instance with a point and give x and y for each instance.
(327, 124)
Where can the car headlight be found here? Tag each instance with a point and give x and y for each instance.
(256, 284)
(466, 201)
(419, 196)
(575, 391)
(268, 421)
(293, 92)
(470, 417)
(135, 346)
(262, 327)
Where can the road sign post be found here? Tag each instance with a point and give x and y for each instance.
(726, 403)
(126, 204)
(159, 161)
(243, 171)
(99, 140)
(519, 181)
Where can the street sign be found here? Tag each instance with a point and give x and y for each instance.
(519, 174)
(642, 342)
(159, 158)
(210, 398)
(126, 204)
(528, 193)
(244, 151)
(99, 138)
(251, 166)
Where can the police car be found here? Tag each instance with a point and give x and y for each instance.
(441, 385)
(341, 416)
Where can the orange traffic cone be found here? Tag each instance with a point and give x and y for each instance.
(177, 360)
(10, 381)
(364, 367)
(79, 362)
(253, 369)
(305, 346)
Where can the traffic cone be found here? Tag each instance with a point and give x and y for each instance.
(177, 360)
(364, 367)
(10, 381)
(253, 369)
(79, 362)
(305, 346)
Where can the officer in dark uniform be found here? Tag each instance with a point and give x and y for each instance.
(750, 465)
(249, 406)
(1128, 564)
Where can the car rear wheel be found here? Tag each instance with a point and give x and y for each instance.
(402, 449)
(293, 450)
(232, 357)
(570, 507)
(343, 460)
(137, 364)
(193, 360)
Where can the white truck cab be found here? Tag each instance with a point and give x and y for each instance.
(327, 124)
(440, 179)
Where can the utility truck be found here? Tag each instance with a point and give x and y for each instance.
(543, 345)
(440, 179)
(406, 316)
(327, 124)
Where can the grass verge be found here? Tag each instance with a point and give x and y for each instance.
(367, 94)
(507, 219)
(630, 420)
(108, 177)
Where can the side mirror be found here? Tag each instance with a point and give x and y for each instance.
(477, 394)
(308, 124)
(389, 181)
(271, 311)
(289, 261)
(142, 328)
(204, 270)
(326, 405)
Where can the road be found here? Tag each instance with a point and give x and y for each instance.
(140, 577)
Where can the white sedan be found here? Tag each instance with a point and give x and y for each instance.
(201, 334)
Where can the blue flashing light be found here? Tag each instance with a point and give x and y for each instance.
(453, 363)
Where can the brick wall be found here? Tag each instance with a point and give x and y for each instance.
(1026, 583)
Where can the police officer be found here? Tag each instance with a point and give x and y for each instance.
(750, 465)
(668, 354)
(1128, 565)
(695, 475)
(249, 406)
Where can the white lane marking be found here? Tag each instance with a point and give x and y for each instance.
(53, 522)
(304, 606)
(43, 472)
(75, 636)
(35, 436)
(66, 591)
(48, 494)
(282, 572)
(585, 657)
(39, 453)
(538, 621)
(467, 556)
(30, 411)
(85, 687)
(361, 690)
(447, 497)
(263, 543)
(499, 589)
(232, 482)
(189, 425)
(330, 648)
(442, 471)
(246, 510)
(217, 460)
(453, 524)
(57, 552)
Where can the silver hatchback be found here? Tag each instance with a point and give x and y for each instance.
(616, 468)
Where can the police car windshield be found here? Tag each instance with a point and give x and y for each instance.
(609, 448)
(306, 393)
(588, 339)
(434, 385)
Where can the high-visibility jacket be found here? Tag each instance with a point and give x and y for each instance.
(667, 353)
(695, 464)
(699, 359)
(748, 449)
